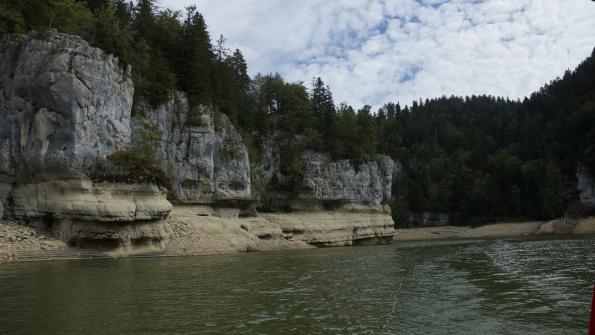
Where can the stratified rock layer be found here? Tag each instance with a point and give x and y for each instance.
(339, 204)
(336, 228)
(67, 103)
(67, 107)
(368, 185)
(84, 201)
(202, 151)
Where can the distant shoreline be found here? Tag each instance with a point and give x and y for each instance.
(494, 230)
(21, 243)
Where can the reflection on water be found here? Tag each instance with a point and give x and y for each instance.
(516, 286)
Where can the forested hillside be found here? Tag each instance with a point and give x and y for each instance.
(476, 158)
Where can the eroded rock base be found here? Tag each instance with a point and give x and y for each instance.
(109, 236)
(195, 230)
(336, 228)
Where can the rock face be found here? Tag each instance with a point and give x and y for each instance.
(336, 228)
(85, 201)
(336, 184)
(67, 106)
(67, 103)
(585, 186)
(340, 181)
(201, 151)
(338, 204)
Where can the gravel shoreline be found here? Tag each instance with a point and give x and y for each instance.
(221, 236)
(19, 241)
(186, 236)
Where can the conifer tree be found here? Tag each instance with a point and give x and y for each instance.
(194, 71)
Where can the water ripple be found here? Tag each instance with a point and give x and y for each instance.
(514, 286)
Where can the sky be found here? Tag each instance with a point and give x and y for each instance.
(376, 51)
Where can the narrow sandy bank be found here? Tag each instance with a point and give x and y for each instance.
(513, 229)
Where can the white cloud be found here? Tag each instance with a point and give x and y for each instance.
(374, 51)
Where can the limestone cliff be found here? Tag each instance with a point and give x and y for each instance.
(65, 106)
(201, 151)
(208, 164)
(585, 186)
(66, 103)
(335, 228)
(368, 186)
(336, 184)
(337, 204)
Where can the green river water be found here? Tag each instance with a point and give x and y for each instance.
(511, 286)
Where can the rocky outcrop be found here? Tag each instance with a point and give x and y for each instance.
(67, 106)
(368, 185)
(83, 200)
(336, 228)
(201, 151)
(338, 203)
(67, 103)
(585, 186)
(336, 184)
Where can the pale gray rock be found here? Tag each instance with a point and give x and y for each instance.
(85, 201)
(67, 103)
(585, 186)
(329, 184)
(335, 228)
(68, 107)
(201, 151)
(65, 107)
(369, 184)
(270, 162)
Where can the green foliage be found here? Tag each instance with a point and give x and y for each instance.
(166, 50)
(194, 119)
(196, 58)
(476, 158)
(218, 122)
(292, 168)
(113, 36)
(139, 163)
(153, 78)
(11, 20)
(273, 198)
(138, 168)
(482, 158)
(69, 16)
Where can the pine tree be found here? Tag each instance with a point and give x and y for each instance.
(324, 108)
(194, 72)
(144, 20)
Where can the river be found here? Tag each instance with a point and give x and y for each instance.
(510, 286)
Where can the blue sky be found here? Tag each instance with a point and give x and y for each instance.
(375, 51)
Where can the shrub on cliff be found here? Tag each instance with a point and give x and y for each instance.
(133, 167)
(139, 162)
